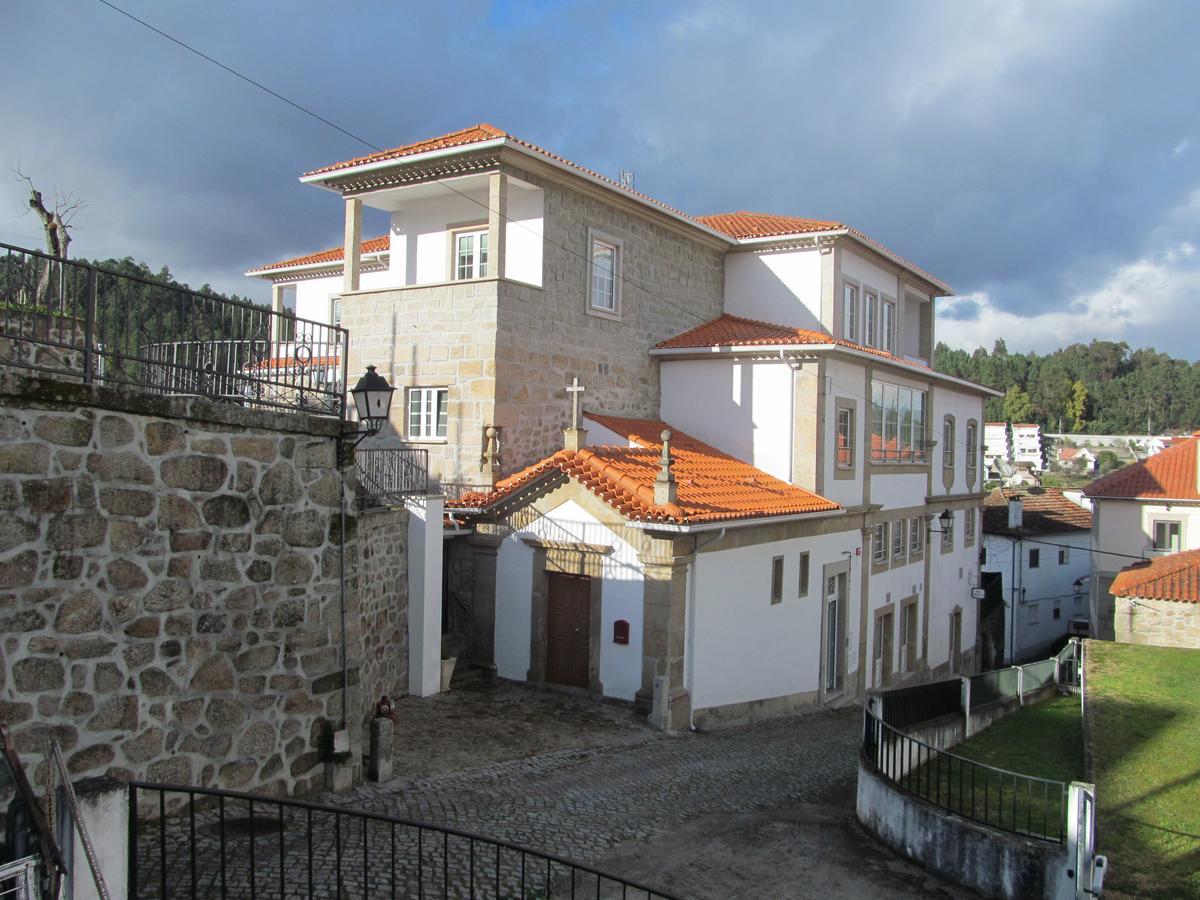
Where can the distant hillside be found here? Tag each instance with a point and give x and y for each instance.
(1100, 388)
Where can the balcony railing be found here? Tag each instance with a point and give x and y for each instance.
(68, 319)
(388, 475)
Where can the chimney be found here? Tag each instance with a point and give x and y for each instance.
(1015, 513)
(664, 485)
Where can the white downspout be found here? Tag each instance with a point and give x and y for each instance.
(690, 646)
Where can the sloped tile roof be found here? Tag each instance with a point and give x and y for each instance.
(1044, 511)
(745, 224)
(1172, 577)
(1167, 475)
(735, 331)
(711, 486)
(332, 255)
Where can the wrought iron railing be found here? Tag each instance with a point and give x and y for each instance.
(903, 707)
(386, 476)
(1023, 804)
(453, 491)
(189, 842)
(73, 320)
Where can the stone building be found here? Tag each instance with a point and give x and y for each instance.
(1158, 602)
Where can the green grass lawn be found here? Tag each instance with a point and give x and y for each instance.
(1144, 727)
(1043, 739)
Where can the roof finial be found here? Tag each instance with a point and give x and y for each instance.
(664, 485)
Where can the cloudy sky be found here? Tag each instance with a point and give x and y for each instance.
(1043, 157)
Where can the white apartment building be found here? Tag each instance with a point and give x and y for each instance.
(1027, 445)
(996, 444)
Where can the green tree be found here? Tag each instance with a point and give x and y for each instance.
(1106, 460)
(1077, 405)
(1018, 406)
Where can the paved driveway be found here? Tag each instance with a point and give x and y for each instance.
(763, 811)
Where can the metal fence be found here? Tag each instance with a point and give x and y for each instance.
(994, 687)
(197, 842)
(73, 320)
(1070, 667)
(19, 879)
(1010, 801)
(904, 707)
(386, 476)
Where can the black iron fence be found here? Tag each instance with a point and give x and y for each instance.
(1023, 804)
(388, 475)
(196, 842)
(71, 319)
(904, 707)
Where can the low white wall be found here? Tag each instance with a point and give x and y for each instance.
(424, 595)
(104, 806)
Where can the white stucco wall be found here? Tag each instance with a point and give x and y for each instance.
(847, 382)
(523, 258)
(951, 577)
(743, 648)
(313, 296)
(963, 407)
(1039, 591)
(741, 407)
(778, 286)
(621, 597)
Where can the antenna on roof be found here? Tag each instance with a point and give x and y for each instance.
(626, 178)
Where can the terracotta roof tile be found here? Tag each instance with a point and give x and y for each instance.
(711, 486)
(1169, 474)
(745, 224)
(332, 255)
(1044, 511)
(1172, 577)
(735, 331)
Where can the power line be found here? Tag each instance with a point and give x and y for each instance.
(235, 73)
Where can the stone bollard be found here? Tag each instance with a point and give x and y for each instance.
(379, 763)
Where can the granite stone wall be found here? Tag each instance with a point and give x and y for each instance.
(381, 592)
(170, 594)
(1162, 623)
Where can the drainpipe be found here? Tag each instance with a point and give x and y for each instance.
(690, 651)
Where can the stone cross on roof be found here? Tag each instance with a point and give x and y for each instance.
(575, 389)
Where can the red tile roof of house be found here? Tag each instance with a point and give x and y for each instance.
(1044, 511)
(1068, 453)
(332, 255)
(1168, 475)
(478, 134)
(711, 486)
(745, 224)
(735, 331)
(1172, 577)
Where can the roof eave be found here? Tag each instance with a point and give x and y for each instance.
(743, 522)
(324, 179)
(333, 265)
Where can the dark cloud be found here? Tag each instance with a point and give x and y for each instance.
(1025, 151)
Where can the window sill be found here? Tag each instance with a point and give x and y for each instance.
(427, 440)
(599, 313)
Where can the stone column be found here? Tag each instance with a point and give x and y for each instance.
(424, 596)
(497, 220)
(277, 308)
(664, 636)
(485, 549)
(352, 246)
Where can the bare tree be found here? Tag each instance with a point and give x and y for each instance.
(56, 224)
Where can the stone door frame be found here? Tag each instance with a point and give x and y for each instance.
(567, 559)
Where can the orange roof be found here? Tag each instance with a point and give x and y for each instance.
(744, 224)
(1044, 511)
(478, 134)
(735, 331)
(711, 486)
(1172, 577)
(1169, 475)
(332, 255)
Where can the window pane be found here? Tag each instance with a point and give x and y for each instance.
(483, 254)
(777, 579)
(918, 425)
(604, 260)
(850, 313)
(906, 450)
(414, 412)
(466, 256)
(845, 439)
(891, 405)
(876, 420)
(442, 410)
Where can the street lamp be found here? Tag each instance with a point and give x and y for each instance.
(372, 400)
(946, 519)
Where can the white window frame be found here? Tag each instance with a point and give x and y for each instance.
(899, 539)
(948, 442)
(597, 239)
(430, 424)
(969, 526)
(879, 544)
(1167, 523)
(948, 534)
(335, 310)
(844, 460)
(887, 321)
(850, 312)
(886, 406)
(1064, 555)
(477, 268)
(972, 447)
(870, 318)
(916, 536)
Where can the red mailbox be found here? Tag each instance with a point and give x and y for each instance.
(621, 631)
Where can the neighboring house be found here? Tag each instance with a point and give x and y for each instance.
(1027, 445)
(1035, 562)
(815, 445)
(1077, 458)
(1144, 510)
(997, 447)
(1158, 601)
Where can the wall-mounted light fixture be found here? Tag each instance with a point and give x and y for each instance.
(946, 519)
(372, 400)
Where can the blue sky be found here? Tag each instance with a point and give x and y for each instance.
(1042, 157)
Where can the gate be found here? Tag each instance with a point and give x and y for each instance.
(1089, 866)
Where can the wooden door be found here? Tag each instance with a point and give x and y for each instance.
(568, 629)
